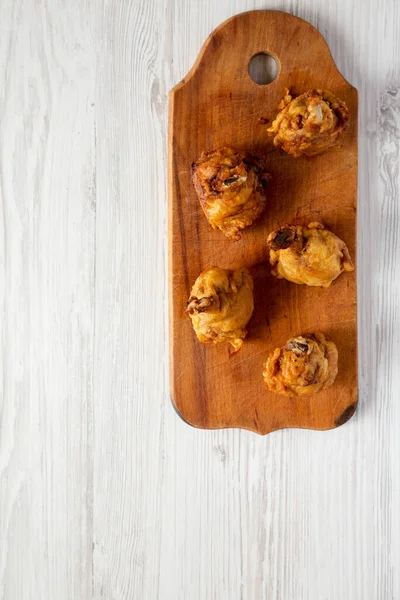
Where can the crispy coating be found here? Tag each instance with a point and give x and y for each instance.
(310, 123)
(311, 255)
(305, 365)
(220, 305)
(231, 188)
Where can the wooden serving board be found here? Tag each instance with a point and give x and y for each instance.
(218, 104)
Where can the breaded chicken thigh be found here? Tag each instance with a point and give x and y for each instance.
(309, 124)
(305, 365)
(220, 305)
(231, 188)
(311, 255)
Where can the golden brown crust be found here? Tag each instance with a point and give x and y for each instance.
(231, 188)
(308, 255)
(306, 365)
(220, 305)
(309, 124)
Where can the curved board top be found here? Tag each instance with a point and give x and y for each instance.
(218, 104)
(290, 53)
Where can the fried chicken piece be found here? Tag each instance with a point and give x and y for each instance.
(220, 305)
(305, 365)
(311, 255)
(310, 123)
(231, 188)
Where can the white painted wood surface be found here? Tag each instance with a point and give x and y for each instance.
(104, 491)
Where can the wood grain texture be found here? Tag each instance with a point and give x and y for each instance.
(47, 168)
(105, 492)
(217, 104)
(129, 369)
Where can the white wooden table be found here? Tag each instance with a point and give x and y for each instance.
(104, 491)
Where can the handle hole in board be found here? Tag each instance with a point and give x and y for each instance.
(263, 68)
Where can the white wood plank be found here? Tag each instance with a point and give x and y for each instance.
(130, 360)
(47, 187)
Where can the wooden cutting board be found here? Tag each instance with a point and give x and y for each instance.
(218, 104)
